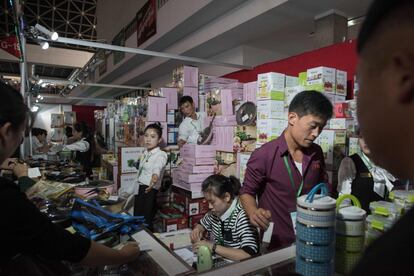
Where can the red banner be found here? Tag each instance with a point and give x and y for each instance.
(10, 45)
(146, 21)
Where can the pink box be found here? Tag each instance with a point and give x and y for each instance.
(237, 94)
(190, 76)
(225, 121)
(171, 95)
(226, 102)
(190, 186)
(189, 167)
(224, 138)
(193, 93)
(198, 151)
(157, 109)
(249, 92)
(200, 161)
(193, 178)
(164, 133)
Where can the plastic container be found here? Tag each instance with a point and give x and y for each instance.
(316, 235)
(350, 244)
(385, 208)
(371, 235)
(404, 199)
(309, 268)
(350, 221)
(345, 261)
(379, 223)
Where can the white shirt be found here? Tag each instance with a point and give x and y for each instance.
(151, 162)
(81, 146)
(299, 166)
(190, 129)
(36, 144)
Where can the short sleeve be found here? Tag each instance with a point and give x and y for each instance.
(249, 236)
(206, 222)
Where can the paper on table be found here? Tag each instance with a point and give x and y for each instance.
(186, 254)
(143, 244)
(33, 172)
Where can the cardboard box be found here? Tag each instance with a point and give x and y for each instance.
(321, 79)
(171, 96)
(226, 163)
(191, 168)
(333, 144)
(194, 220)
(220, 102)
(271, 86)
(128, 157)
(242, 159)
(342, 110)
(193, 178)
(225, 121)
(224, 137)
(56, 120)
(157, 109)
(340, 99)
(198, 151)
(200, 160)
(195, 187)
(172, 138)
(302, 79)
(342, 123)
(170, 220)
(249, 91)
(341, 85)
(171, 117)
(190, 206)
(270, 129)
(271, 109)
(291, 92)
(244, 138)
(185, 76)
(291, 81)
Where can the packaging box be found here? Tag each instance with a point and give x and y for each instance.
(271, 86)
(333, 144)
(226, 163)
(194, 220)
(200, 160)
(242, 159)
(195, 187)
(225, 121)
(157, 109)
(198, 151)
(171, 96)
(237, 94)
(172, 138)
(190, 206)
(271, 109)
(340, 99)
(69, 117)
(193, 93)
(128, 157)
(249, 91)
(169, 220)
(291, 92)
(223, 138)
(185, 76)
(191, 168)
(291, 81)
(56, 120)
(342, 123)
(270, 129)
(220, 102)
(193, 178)
(341, 79)
(244, 138)
(302, 79)
(353, 146)
(321, 79)
(171, 117)
(342, 110)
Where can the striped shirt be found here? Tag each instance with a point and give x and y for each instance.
(235, 231)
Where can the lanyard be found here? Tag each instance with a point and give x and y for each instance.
(291, 177)
(224, 233)
(143, 163)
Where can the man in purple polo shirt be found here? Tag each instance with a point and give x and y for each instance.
(287, 167)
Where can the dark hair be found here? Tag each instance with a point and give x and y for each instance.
(186, 99)
(38, 131)
(68, 131)
(12, 107)
(155, 126)
(381, 11)
(219, 185)
(311, 103)
(82, 127)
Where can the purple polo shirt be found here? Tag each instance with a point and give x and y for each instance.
(267, 177)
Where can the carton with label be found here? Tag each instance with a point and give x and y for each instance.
(270, 129)
(242, 159)
(341, 78)
(291, 92)
(271, 109)
(291, 81)
(271, 86)
(244, 138)
(321, 79)
(226, 163)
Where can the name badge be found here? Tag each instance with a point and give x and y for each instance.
(365, 175)
(293, 218)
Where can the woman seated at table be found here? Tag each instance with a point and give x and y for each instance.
(39, 143)
(26, 233)
(234, 237)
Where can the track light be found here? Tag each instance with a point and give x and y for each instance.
(44, 45)
(52, 35)
(34, 108)
(43, 84)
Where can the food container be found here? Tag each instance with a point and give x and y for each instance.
(316, 253)
(379, 223)
(350, 244)
(404, 199)
(385, 208)
(309, 268)
(316, 235)
(350, 221)
(345, 261)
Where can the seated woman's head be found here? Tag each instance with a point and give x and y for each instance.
(220, 191)
(14, 118)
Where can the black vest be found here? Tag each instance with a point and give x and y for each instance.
(363, 184)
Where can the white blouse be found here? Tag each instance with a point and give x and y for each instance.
(81, 146)
(189, 130)
(151, 162)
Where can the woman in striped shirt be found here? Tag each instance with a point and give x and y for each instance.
(234, 237)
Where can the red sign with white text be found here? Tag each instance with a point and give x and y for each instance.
(10, 45)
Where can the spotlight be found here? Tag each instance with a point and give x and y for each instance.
(35, 108)
(51, 35)
(43, 84)
(44, 45)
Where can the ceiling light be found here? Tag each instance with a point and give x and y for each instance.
(34, 108)
(41, 97)
(43, 84)
(54, 36)
(37, 101)
(40, 81)
(43, 30)
(44, 44)
(38, 96)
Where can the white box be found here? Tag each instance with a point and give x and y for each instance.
(291, 92)
(341, 78)
(270, 109)
(242, 159)
(291, 81)
(333, 144)
(129, 156)
(321, 79)
(269, 129)
(271, 86)
(353, 146)
(341, 123)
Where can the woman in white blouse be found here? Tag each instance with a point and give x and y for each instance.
(150, 171)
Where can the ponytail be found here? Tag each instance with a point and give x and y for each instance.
(219, 185)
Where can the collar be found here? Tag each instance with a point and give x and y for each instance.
(197, 117)
(284, 149)
(154, 150)
(230, 210)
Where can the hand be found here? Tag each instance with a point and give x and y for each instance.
(196, 234)
(261, 218)
(181, 143)
(19, 169)
(149, 188)
(197, 245)
(154, 180)
(7, 163)
(130, 251)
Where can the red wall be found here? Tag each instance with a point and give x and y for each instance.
(85, 113)
(341, 56)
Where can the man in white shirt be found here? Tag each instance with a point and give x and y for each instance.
(192, 125)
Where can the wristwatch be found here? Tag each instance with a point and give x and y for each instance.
(213, 249)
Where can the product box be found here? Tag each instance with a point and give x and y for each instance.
(69, 117)
(194, 187)
(190, 206)
(342, 110)
(200, 160)
(171, 96)
(291, 92)
(225, 121)
(340, 99)
(226, 163)
(271, 109)
(242, 159)
(342, 123)
(223, 138)
(171, 117)
(198, 151)
(271, 86)
(157, 109)
(185, 76)
(172, 134)
(56, 120)
(194, 220)
(244, 138)
(353, 146)
(193, 178)
(220, 102)
(270, 129)
(128, 157)
(191, 168)
(193, 93)
(341, 79)
(249, 91)
(333, 144)
(291, 81)
(302, 79)
(169, 220)
(321, 79)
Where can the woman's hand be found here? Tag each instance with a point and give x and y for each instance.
(130, 251)
(197, 245)
(196, 234)
(20, 169)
